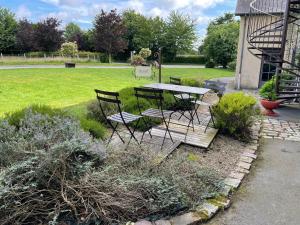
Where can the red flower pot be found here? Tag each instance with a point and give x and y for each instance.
(270, 106)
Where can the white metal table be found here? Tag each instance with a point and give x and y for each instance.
(179, 88)
(197, 137)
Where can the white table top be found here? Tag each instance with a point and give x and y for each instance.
(179, 88)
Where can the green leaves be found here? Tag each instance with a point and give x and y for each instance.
(234, 114)
(8, 29)
(221, 42)
(267, 91)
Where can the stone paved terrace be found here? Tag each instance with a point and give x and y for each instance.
(280, 129)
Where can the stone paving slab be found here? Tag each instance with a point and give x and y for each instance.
(280, 130)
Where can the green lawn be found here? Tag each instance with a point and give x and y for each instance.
(68, 87)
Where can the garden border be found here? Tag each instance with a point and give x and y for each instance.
(211, 207)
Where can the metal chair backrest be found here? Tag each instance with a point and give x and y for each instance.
(110, 98)
(175, 80)
(217, 86)
(150, 95)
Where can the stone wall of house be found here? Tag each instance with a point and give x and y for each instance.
(248, 69)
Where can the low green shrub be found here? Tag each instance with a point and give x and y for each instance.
(232, 65)
(267, 91)
(191, 82)
(15, 117)
(94, 111)
(235, 114)
(210, 64)
(188, 59)
(95, 128)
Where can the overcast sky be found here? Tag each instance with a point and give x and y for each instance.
(82, 12)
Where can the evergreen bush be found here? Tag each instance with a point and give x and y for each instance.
(235, 114)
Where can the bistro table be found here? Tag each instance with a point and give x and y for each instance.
(198, 137)
(179, 88)
(184, 90)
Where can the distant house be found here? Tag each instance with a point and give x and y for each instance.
(252, 71)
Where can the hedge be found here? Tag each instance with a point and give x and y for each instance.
(188, 59)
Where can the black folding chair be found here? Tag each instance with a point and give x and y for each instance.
(155, 96)
(219, 88)
(119, 118)
(182, 100)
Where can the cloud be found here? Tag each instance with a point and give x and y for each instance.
(179, 4)
(84, 11)
(23, 12)
(64, 2)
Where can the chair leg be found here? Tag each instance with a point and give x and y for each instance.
(212, 116)
(114, 131)
(148, 127)
(196, 113)
(167, 131)
(132, 133)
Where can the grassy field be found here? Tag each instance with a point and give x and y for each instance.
(72, 87)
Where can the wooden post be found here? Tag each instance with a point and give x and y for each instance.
(159, 65)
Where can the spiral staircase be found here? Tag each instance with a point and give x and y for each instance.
(274, 36)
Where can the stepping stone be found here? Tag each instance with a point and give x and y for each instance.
(143, 222)
(244, 165)
(241, 170)
(208, 209)
(246, 159)
(250, 155)
(232, 182)
(163, 222)
(250, 151)
(237, 175)
(186, 219)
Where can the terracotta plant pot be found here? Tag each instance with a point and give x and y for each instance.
(270, 106)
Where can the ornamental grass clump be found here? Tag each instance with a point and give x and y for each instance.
(235, 114)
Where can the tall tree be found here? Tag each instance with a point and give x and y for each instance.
(47, 35)
(73, 33)
(221, 43)
(25, 36)
(180, 34)
(87, 41)
(142, 31)
(223, 19)
(8, 29)
(109, 33)
(72, 30)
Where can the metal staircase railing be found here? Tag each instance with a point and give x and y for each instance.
(274, 35)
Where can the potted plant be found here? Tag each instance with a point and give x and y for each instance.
(142, 67)
(69, 49)
(269, 97)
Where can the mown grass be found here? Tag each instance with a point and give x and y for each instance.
(17, 61)
(72, 88)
